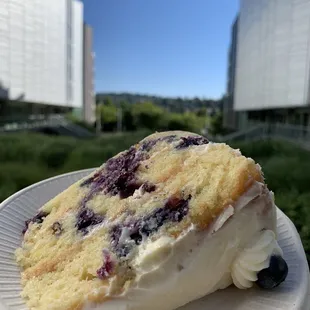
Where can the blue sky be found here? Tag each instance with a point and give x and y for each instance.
(161, 47)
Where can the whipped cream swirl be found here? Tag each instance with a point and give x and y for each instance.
(254, 258)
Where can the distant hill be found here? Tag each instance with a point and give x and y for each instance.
(172, 104)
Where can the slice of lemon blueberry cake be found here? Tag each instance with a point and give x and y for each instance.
(168, 221)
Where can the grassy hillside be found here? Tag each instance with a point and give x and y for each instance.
(28, 158)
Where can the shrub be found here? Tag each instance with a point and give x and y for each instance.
(108, 117)
(88, 157)
(147, 115)
(187, 122)
(17, 148)
(128, 120)
(55, 154)
(261, 149)
(15, 176)
(76, 120)
(121, 141)
(216, 124)
(89, 127)
(7, 189)
(295, 205)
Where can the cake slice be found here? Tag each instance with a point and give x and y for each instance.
(168, 221)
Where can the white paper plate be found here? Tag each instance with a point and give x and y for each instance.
(291, 295)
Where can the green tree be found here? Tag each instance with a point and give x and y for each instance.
(128, 118)
(188, 121)
(175, 121)
(201, 112)
(147, 115)
(98, 100)
(216, 124)
(108, 102)
(108, 117)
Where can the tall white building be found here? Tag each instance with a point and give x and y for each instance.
(272, 74)
(41, 51)
(77, 54)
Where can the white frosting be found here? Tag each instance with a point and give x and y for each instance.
(254, 258)
(172, 272)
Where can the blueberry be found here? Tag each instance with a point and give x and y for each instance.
(274, 275)
(169, 139)
(115, 234)
(148, 187)
(149, 144)
(86, 218)
(107, 268)
(36, 219)
(191, 140)
(123, 249)
(174, 210)
(118, 177)
(136, 237)
(57, 229)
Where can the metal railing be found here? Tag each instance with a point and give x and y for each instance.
(288, 132)
(32, 121)
(256, 132)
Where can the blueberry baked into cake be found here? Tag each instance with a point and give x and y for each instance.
(170, 220)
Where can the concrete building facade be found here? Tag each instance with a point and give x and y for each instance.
(42, 54)
(32, 66)
(77, 55)
(229, 117)
(273, 61)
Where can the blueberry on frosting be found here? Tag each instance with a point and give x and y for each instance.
(274, 275)
(125, 236)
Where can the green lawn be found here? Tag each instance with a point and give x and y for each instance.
(28, 158)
